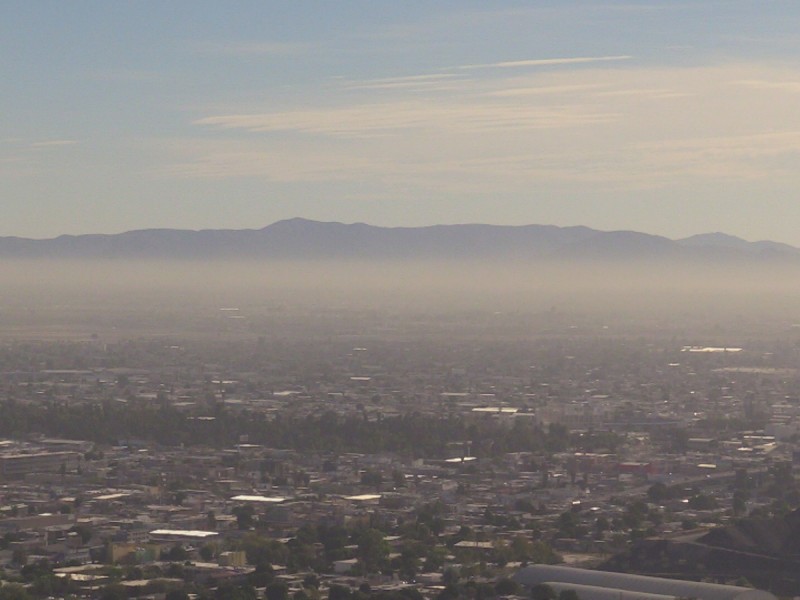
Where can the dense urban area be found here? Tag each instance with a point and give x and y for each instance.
(357, 454)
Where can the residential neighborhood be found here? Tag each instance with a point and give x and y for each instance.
(138, 468)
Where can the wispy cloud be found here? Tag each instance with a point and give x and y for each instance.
(546, 62)
(429, 82)
(546, 90)
(398, 117)
(612, 129)
(788, 86)
(53, 143)
(652, 93)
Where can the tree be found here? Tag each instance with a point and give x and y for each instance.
(339, 592)
(38, 569)
(434, 560)
(372, 478)
(176, 594)
(19, 556)
(13, 591)
(239, 592)
(207, 552)
(398, 478)
(521, 548)
(277, 590)
(448, 593)
(410, 593)
(702, 502)
(543, 591)
(658, 492)
(114, 591)
(372, 549)
(601, 525)
(406, 564)
(739, 502)
(742, 481)
(175, 570)
(262, 576)
(506, 587)
(567, 524)
(244, 516)
(450, 576)
(175, 554)
(84, 531)
(261, 550)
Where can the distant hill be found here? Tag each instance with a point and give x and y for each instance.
(306, 239)
(722, 242)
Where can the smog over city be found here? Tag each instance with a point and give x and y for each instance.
(97, 293)
(400, 301)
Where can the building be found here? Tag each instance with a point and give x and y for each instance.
(603, 585)
(16, 466)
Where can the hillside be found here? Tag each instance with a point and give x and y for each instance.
(305, 239)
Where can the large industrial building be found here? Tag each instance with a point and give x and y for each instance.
(603, 585)
(17, 465)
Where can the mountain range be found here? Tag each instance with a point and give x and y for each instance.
(305, 239)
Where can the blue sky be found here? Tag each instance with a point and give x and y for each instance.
(671, 117)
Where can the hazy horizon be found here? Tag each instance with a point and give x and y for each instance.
(140, 298)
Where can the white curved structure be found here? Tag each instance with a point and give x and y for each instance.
(604, 585)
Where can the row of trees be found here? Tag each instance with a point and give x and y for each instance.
(415, 434)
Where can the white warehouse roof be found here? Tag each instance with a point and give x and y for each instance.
(183, 533)
(641, 586)
(595, 592)
(267, 499)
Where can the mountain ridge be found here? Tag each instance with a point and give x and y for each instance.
(300, 238)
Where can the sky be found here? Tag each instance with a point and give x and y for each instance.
(669, 117)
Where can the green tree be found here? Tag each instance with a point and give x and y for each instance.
(450, 577)
(506, 586)
(567, 524)
(658, 492)
(114, 591)
(261, 550)
(543, 591)
(450, 592)
(739, 503)
(175, 554)
(244, 516)
(372, 549)
(19, 556)
(84, 531)
(176, 594)
(398, 479)
(372, 478)
(339, 592)
(702, 502)
(207, 552)
(277, 590)
(239, 592)
(13, 591)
